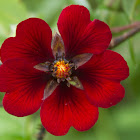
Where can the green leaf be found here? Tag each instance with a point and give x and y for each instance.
(127, 119)
(32, 5)
(17, 128)
(95, 3)
(129, 7)
(50, 10)
(112, 4)
(101, 13)
(11, 12)
(131, 49)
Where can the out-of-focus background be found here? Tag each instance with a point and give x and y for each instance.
(121, 122)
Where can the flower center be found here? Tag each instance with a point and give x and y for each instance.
(61, 69)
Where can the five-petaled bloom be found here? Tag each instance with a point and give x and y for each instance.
(69, 76)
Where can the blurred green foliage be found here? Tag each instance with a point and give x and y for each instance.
(121, 122)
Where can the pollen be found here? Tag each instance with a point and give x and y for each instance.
(61, 69)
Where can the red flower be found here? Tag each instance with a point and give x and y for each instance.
(69, 84)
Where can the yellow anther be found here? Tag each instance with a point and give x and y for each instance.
(61, 69)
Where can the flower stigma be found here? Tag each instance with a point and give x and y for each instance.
(61, 69)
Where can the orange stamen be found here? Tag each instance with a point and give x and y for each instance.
(61, 69)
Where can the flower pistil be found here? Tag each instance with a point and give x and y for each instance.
(61, 69)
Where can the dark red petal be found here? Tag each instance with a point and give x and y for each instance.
(32, 42)
(104, 93)
(109, 64)
(23, 102)
(17, 73)
(101, 78)
(67, 107)
(24, 86)
(80, 34)
(71, 24)
(96, 38)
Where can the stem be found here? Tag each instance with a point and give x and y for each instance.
(126, 27)
(27, 128)
(41, 133)
(117, 40)
(131, 49)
